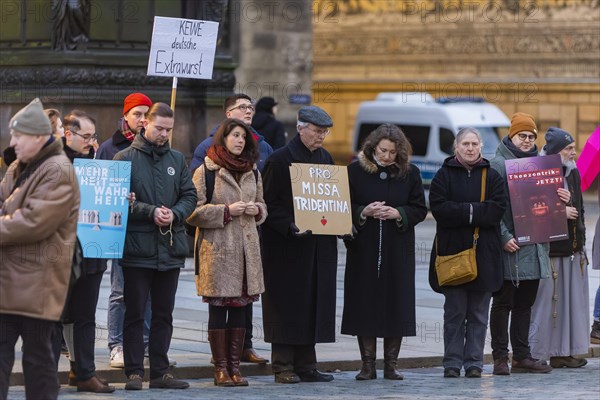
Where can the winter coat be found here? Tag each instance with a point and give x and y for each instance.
(110, 147)
(159, 177)
(453, 191)
(264, 150)
(300, 273)
(379, 300)
(531, 261)
(38, 224)
(224, 252)
(272, 130)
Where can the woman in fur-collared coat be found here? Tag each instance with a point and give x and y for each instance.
(379, 286)
(229, 272)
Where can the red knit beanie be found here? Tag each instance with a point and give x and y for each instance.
(134, 100)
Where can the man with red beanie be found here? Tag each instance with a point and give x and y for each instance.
(135, 107)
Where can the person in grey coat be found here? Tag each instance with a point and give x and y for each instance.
(524, 266)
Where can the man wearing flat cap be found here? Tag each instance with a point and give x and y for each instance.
(559, 320)
(524, 265)
(299, 268)
(39, 207)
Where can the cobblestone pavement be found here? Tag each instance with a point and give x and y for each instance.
(423, 383)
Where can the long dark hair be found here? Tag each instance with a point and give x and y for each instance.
(250, 151)
(394, 134)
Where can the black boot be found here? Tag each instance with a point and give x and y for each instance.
(219, 346)
(391, 349)
(368, 351)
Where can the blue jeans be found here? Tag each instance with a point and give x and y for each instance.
(597, 305)
(116, 309)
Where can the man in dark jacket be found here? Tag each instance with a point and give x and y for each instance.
(264, 121)
(80, 332)
(155, 246)
(299, 268)
(135, 107)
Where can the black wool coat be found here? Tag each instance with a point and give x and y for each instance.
(300, 273)
(453, 190)
(379, 298)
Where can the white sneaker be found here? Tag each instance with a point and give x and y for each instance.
(116, 357)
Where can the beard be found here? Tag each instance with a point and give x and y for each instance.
(570, 164)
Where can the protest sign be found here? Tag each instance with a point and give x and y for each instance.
(321, 197)
(104, 186)
(183, 48)
(539, 215)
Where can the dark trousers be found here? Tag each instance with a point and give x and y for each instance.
(248, 335)
(517, 303)
(226, 317)
(39, 366)
(82, 311)
(297, 358)
(162, 286)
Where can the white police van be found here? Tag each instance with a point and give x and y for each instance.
(431, 125)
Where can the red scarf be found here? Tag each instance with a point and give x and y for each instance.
(128, 133)
(223, 158)
(468, 165)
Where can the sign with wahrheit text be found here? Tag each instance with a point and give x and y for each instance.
(539, 215)
(104, 186)
(183, 48)
(321, 197)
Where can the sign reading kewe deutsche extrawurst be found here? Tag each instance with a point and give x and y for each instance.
(321, 198)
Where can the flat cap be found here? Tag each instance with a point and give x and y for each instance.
(315, 115)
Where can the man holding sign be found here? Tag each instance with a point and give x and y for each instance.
(299, 267)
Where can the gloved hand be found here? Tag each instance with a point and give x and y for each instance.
(295, 231)
(349, 236)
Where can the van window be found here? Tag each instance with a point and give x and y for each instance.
(446, 141)
(418, 136)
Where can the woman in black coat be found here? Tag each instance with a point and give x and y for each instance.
(454, 199)
(379, 286)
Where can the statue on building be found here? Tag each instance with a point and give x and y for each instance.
(70, 24)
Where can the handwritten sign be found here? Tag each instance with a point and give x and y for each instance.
(321, 197)
(539, 215)
(183, 48)
(104, 186)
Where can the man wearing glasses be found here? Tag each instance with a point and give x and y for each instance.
(524, 265)
(299, 267)
(238, 106)
(80, 135)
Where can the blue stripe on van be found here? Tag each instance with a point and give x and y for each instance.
(428, 170)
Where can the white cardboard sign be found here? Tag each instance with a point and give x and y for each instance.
(183, 48)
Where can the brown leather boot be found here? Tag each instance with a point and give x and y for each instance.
(368, 348)
(94, 385)
(219, 346)
(236, 347)
(391, 349)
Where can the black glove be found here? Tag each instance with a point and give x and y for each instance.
(349, 236)
(295, 231)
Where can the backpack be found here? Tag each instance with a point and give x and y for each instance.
(209, 178)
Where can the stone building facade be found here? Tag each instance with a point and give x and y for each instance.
(537, 56)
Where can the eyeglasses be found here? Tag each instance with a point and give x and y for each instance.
(86, 138)
(244, 108)
(319, 132)
(524, 137)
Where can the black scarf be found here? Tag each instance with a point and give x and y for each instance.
(518, 152)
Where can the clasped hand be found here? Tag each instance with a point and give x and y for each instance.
(379, 210)
(163, 216)
(239, 207)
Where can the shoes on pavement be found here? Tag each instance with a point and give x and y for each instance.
(595, 333)
(451, 372)
(134, 382)
(94, 385)
(501, 366)
(72, 378)
(251, 356)
(116, 357)
(168, 381)
(315, 376)
(286, 377)
(473, 372)
(567, 362)
(530, 365)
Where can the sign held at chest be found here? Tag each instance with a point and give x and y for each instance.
(321, 198)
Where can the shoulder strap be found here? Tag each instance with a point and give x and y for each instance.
(483, 182)
(255, 172)
(209, 178)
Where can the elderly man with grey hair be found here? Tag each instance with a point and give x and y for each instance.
(299, 268)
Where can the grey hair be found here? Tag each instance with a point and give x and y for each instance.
(463, 131)
(302, 124)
